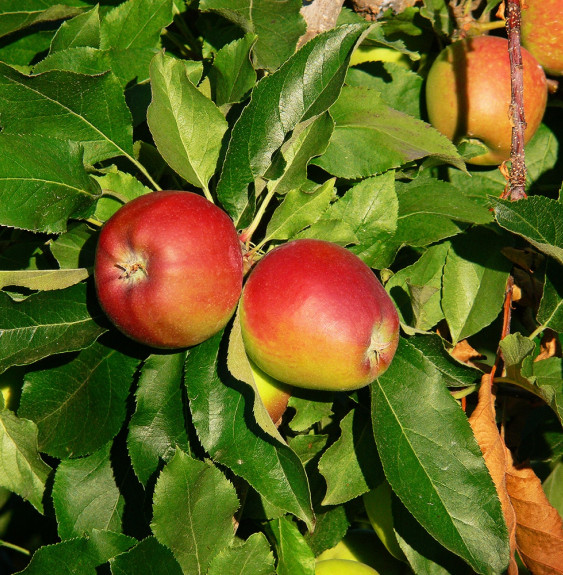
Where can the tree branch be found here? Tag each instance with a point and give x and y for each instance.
(320, 16)
(515, 189)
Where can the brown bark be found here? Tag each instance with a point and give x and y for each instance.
(320, 16)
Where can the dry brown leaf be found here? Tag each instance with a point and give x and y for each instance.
(484, 426)
(550, 345)
(539, 528)
(463, 352)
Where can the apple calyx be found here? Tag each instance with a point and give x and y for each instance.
(130, 269)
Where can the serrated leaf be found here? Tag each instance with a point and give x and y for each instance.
(550, 312)
(364, 123)
(222, 415)
(370, 210)
(45, 324)
(119, 188)
(232, 75)
(86, 497)
(78, 556)
(80, 405)
(43, 183)
(82, 30)
(157, 427)
(537, 219)
(187, 127)
(309, 409)
(251, 557)
(351, 465)
(193, 511)
(148, 557)
(474, 283)
(266, 19)
(295, 557)
(19, 14)
(424, 439)
(22, 50)
(304, 87)
(29, 104)
(420, 309)
(22, 470)
(43, 279)
(298, 210)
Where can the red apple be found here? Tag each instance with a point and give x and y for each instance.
(168, 269)
(314, 315)
(542, 33)
(468, 95)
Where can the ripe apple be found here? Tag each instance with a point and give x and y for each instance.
(314, 315)
(343, 567)
(274, 394)
(168, 269)
(468, 95)
(542, 33)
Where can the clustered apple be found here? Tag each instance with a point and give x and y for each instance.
(168, 269)
(314, 315)
(468, 95)
(542, 33)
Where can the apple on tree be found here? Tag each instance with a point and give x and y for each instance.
(314, 315)
(343, 567)
(468, 95)
(168, 269)
(274, 394)
(542, 33)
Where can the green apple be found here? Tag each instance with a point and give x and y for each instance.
(314, 315)
(542, 33)
(379, 54)
(378, 508)
(343, 567)
(274, 394)
(468, 95)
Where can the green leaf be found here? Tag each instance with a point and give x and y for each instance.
(78, 556)
(304, 87)
(43, 279)
(277, 26)
(550, 312)
(223, 415)
(45, 324)
(157, 427)
(80, 405)
(232, 76)
(474, 282)
(86, 497)
(19, 14)
(251, 557)
(295, 557)
(364, 123)
(310, 407)
(370, 210)
(82, 30)
(119, 188)
(75, 248)
(537, 219)
(22, 50)
(453, 372)
(148, 557)
(354, 457)
(424, 439)
(43, 183)
(298, 210)
(187, 127)
(193, 511)
(29, 104)
(131, 33)
(22, 470)
(416, 289)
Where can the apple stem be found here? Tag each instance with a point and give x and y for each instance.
(207, 194)
(515, 189)
(246, 235)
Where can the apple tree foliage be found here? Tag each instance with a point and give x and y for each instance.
(121, 459)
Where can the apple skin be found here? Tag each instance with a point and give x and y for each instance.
(313, 315)
(274, 394)
(343, 567)
(468, 95)
(542, 33)
(168, 269)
